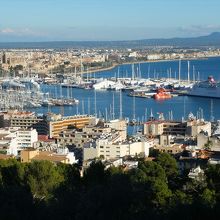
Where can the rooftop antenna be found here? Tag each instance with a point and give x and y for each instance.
(188, 71)
(120, 115)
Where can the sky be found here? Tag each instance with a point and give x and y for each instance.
(89, 20)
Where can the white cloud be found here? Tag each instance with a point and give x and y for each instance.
(7, 31)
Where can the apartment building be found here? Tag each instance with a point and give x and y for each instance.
(24, 120)
(8, 141)
(107, 150)
(26, 138)
(189, 128)
(78, 137)
(13, 140)
(58, 124)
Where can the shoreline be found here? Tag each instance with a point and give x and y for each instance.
(147, 61)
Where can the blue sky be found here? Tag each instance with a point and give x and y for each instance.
(47, 20)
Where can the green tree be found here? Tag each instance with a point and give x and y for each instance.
(208, 198)
(168, 163)
(43, 178)
(152, 170)
(95, 174)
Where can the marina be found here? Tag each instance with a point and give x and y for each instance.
(83, 95)
(180, 105)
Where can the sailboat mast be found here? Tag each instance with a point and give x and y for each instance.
(134, 116)
(120, 105)
(113, 106)
(188, 71)
(95, 104)
(179, 70)
(88, 106)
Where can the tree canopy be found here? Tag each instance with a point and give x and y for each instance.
(43, 190)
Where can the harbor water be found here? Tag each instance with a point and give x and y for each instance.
(107, 102)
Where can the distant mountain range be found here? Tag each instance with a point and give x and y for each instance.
(209, 40)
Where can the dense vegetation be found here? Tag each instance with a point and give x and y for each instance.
(155, 190)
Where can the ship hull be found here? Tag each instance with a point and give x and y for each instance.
(205, 92)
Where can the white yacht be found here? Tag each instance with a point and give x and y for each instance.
(209, 88)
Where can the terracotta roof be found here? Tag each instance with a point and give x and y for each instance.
(45, 138)
(51, 158)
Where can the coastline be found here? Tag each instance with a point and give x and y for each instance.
(147, 61)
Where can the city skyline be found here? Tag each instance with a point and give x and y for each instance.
(110, 20)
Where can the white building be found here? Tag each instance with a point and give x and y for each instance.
(14, 139)
(8, 142)
(26, 138)
(154, 57)
(105, 149)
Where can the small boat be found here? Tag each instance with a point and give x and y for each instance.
(162, 94)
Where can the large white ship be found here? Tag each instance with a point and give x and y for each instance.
(209, 88)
